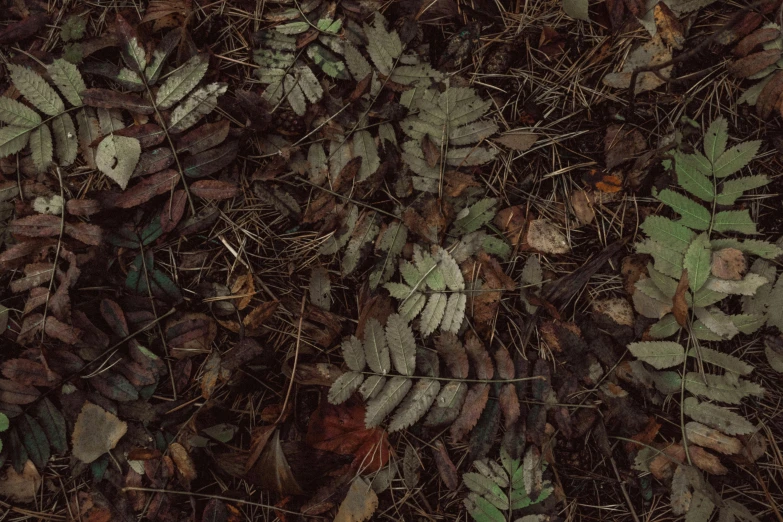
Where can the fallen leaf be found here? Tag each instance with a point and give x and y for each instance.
(96, 431)
(20, 487)
(702, 435)
(583, 207)
(545, 237)
(430, 150)
(754, 63)
(517, 140)
(512, 222)
(706, 461)
(190, 335)
(728, 263)
(183, 462)
(670, 29)
(214, 190)
(651, 53)
(360, 503)
(148, 188)
(755, 39)
(617, 309)
(341, 429)
(621, 144)
(633, 268)
(272, 470)
(446, 468)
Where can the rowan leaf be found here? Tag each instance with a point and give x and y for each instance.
(723, 388)
(376, 350)
(717, 417)
(67, 143)
(734, 221)
(13, 139)
(415, 404)
(706, 437)
(697, 261)
(754, 247)
(658, 354)
(36, 90)
(201, 102)
(353, 353)
(721, 360)
(345, 385)
(475, 216)
(716, 138)
(673, 235)
(321, 288)
(384, 47)
(746, 286)
(182, 81)
(34, 440)
(41, 147)
(447, 404)
(389, 397)
(454, 313)
(735, 188)
(692, 178)
(735, 159)
(18, 114)
(433, 313)
(402, 345)
(117, 157)
(53, 424)
(693, 215)
(68, 79)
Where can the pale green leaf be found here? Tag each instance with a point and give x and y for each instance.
(664, 328)
(706, 296)
(745, 286)
(293, 28)
(433, 313)
(667, 260)
(399, 290)
(65, 138)
(200, 103)
(475, 216)
(364, 146)
(532, 274)
(344, 387)
(748, 323)
(658, 354)
(384, 47)
(721, 360)
(36, 90)
(469, 156)
(181, 81)
(717, 321)
(716, 138)
(117, 157)
(454, 313)
(668, 233)
(366, 230)
(693, 215)
(328, 62)
(734, 221)
(41, 147)
(353, 353)
(700, 331)
(755, 247)
(447, 404)
(667, 285)
(486, 488)
(577, 9)
(414, 304)
(415, 405)
(402, 345)
(13, 139)
(18, 114)
(68, 79)
(376, 351)
(727, 388)
(692, 178)
(735, 158)
(735, 188)
(389, 397)
(161, 53)
(717, 417)
(697, 261)
(357, 64)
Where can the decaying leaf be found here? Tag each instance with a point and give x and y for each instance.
(360, 503)
(96, 431)
(21, 487)
(545, 237)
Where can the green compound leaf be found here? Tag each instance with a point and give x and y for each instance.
(68, 79)
(477, 215)
(754, 247)
(182, 81)
(734, 221)
(692, 177)
(658, 354)
(735, 188)
(13, 139)
(18, 114)
(36, 90)
(671, 234)
(693, 215)
(697, 262)
(735, 158)
(715, 139)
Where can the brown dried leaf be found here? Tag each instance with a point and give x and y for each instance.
(545, 237)
(504, 363)
(148, 134)
(754, 63)
(20, 487)
(16, 393)
(482, 362)
(148, 188)
(173, 211)
(83, 207)
(152, 161)
(96, 431)
(509, 405)
(446, 468)
(759, 37)
(679, 305)
(190, 335)
(728, 263)
(706, 461)
(183, 462)
(29, 373)
(621, 144)
(37, 225)
(85, 232)
(769, 97)
(111, 99)
(512, 222)
(707, 437)
(583, 207)
(663, 465)
(258, 316)
(204, 137)
(430, 150)
(214, 190)
(670, 29)
(25, 28)
(517, 140)
(475, 402)
(453, 354)
(617, 309)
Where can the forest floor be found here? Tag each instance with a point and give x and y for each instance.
(407, 260)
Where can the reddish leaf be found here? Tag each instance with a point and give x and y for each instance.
(128, 41)
(453, 353)
(37, 225)
(770, 96)
(83, 207)
(245, 350)
(504, 363)
(114, 386)
(36, 274)
(22, 29)
(173, 211)
(15, 393)
(153, 161)
(15, 255)
(259, 439)
(190, 335)
(204, 219)
(214, 190)
(114, 317)
(210, 161)
(111, 99)
(745, 46)
(29, 373)
(509, 405)
(475, 402)
(148, 188)
(215, 511)
(430, 150)
(341, 429)
(480, 357)
(61, 331)
(203, 138)
(148, 134)
(751, 64)
(85, 232)
(446, 468)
